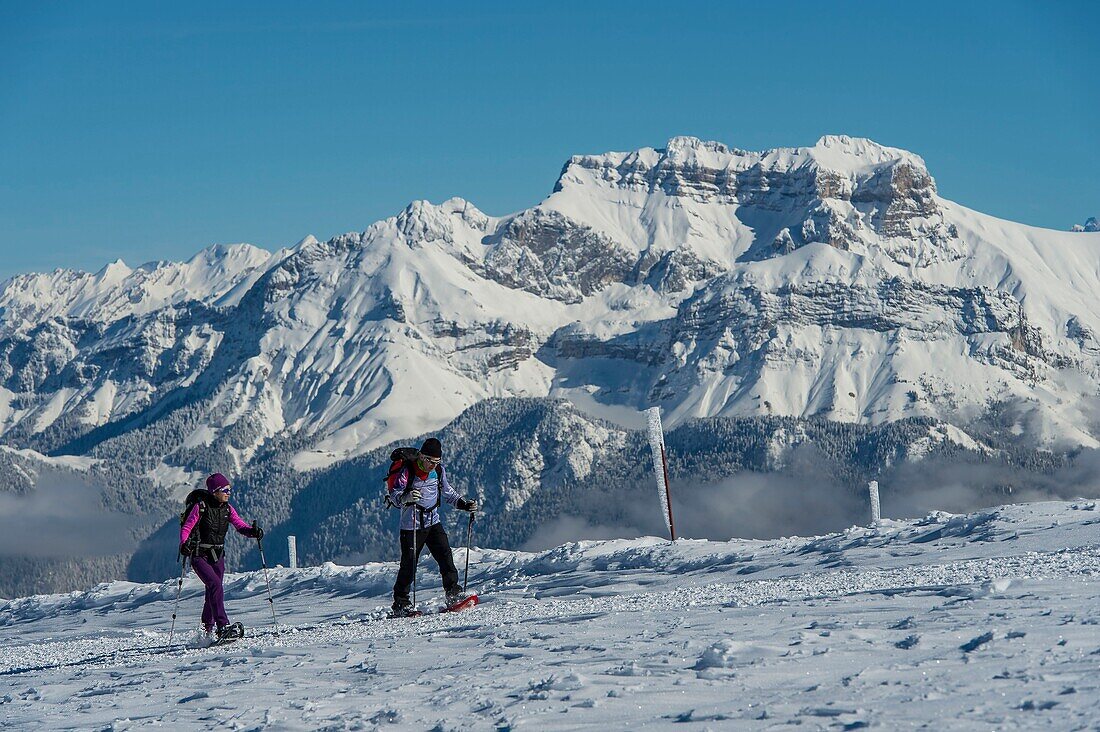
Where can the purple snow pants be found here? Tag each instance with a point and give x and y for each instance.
(211, 573)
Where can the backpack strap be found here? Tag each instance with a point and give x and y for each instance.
(438, 491)
(439, 485)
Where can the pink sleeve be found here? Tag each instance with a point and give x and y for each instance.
(237, 521)
(192, 519)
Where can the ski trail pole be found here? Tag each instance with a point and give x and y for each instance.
(267, 579)
(176, 606)
(469, 537)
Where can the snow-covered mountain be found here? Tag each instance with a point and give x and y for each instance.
(1091, 224)
(829, 281)
(215, 276)
(964, 622)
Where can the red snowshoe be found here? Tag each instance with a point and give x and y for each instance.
(462, 603)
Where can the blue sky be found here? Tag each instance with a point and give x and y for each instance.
(151, 130)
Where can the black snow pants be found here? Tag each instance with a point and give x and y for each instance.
(435, 537)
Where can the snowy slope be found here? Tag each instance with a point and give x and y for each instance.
(980, 621)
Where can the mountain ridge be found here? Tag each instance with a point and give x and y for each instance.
(624, 240)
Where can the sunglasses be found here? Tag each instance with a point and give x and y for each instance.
(222, 490)
(431, 460)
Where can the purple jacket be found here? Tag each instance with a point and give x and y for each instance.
(429, 492)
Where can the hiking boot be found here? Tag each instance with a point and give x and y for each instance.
(401, 608)
(453, 598)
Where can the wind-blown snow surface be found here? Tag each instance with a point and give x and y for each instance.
(980, 621)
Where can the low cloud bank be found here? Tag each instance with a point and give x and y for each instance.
(62, 517)
(572, 528)
(806, 501)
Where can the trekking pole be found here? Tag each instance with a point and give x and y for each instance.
(267, 579)
(469, 538)
(416, 560)
(175, 607)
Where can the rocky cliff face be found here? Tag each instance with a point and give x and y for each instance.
(752, 343)
(546, 253)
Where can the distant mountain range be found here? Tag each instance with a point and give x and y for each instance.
(828, 284)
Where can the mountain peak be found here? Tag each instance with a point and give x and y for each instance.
(856, 145)
(718, 164)
(425, 221)
(686, 144)
(114, 271)
(842, 153)
(307, 241)
(216, 254)
(849, 192)
(453, 205)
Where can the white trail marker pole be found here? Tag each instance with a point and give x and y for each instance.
(292, 550)
(876, 514)
(660, 465)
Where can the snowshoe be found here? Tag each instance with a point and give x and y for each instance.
(230, 633)
(458, 603)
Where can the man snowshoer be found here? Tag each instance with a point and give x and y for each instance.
(419, 489)
(202, 537)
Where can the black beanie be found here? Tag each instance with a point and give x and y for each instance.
(431, 448)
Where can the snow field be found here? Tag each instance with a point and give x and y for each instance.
(983, 621)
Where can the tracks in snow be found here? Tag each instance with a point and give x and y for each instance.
(955, 581)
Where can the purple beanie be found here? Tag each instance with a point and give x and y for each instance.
(216, 481)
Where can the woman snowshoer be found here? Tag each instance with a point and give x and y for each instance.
(419, 489)
(202, 537)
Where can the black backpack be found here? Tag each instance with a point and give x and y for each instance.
(196, 496)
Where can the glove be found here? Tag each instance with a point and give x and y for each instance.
(411, 496)
(188, 547)
(255, 533)
(463, 505)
